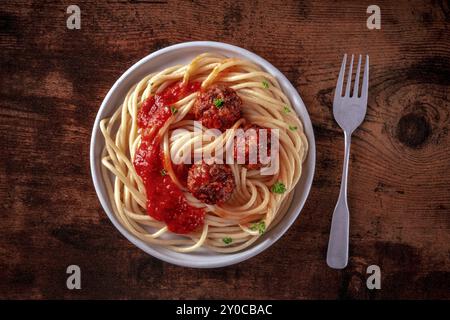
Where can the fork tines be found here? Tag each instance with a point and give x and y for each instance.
(365, 82)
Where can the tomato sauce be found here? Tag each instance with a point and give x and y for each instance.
(165, 201)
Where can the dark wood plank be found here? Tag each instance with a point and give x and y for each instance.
(54, 79)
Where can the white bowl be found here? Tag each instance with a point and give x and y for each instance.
(181, 54)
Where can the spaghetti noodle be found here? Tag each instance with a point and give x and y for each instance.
(155, 125)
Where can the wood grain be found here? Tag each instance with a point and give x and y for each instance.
(54, 79)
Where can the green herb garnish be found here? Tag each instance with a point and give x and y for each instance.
(259, 226)
(265, 84)
(163, 172)
(279, 187)
(292, 128)
(218, 103)
(227, 240)
(173, 110)
(286, 109)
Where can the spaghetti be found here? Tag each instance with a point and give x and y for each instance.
(156, 124)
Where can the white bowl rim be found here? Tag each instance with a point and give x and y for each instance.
(283, 225)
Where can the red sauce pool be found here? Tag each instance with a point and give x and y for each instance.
(165, 201)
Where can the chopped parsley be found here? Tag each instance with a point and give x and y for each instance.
(286, 109)
(265, 84)
(279, 187)
(292, 128)
(227, 240)
(173, 109)
(163, 172)
(218, 103)
(259, 226)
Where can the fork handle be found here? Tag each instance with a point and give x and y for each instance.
(337, 255)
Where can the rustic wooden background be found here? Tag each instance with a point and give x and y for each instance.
(54, 79)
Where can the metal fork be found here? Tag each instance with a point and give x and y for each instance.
(349, 112)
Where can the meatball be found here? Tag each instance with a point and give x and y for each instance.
(211, 184)
(218, 107)
(252, 142)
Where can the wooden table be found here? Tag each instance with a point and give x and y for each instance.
(54, 79)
